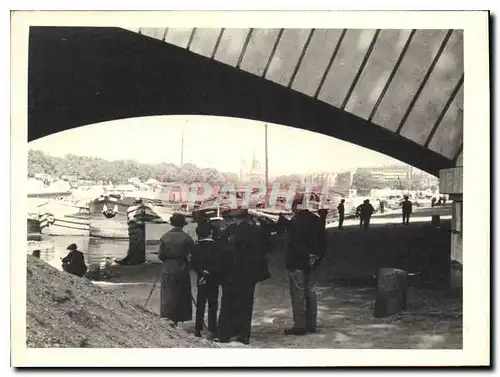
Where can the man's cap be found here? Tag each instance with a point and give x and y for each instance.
(72, 247)
(203, 229)
(178, 220)
(297, 200)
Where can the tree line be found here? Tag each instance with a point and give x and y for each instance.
(120, 171)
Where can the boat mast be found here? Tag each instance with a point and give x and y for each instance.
(182, 149)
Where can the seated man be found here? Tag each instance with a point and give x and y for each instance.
(74, 262)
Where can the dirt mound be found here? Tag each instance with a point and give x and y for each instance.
(63, 310)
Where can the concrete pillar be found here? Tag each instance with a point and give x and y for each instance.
(456, 256)
(451, 183)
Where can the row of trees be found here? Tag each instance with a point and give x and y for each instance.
(96, 169)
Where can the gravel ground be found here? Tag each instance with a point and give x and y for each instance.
(67, 311)
(433, 319)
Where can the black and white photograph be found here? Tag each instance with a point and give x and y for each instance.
(227, 182)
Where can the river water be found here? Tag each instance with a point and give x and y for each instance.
(53, 248)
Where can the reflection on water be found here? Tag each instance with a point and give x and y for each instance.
(52, 249)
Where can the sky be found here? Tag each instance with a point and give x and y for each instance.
(217, 142)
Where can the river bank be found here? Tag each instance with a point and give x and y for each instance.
(65, 311)
(433, 319)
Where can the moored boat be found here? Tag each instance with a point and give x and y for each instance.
(67, 220)
(108, 217)
(60, 217)
(111, 217)
(34, 229)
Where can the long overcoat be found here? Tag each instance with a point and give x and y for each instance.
(175, 249)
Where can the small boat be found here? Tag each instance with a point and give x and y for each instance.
(67, 220)
(34, 227)
(111, 217)
(108, 217)
(60, 217)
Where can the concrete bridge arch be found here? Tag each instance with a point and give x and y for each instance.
(398, 92)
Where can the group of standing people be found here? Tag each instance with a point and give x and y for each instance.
(234, 258)
(440, 202)
(365, 211)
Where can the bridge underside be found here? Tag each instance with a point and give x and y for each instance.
(81, 76)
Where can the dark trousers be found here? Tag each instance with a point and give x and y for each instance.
(406, 218)
(78, 270)
(364, 222)
(304, 299)
(341, 221)
(208, 292)
(235, 317)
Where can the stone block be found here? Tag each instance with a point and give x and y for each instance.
(456, 277)
(456, 247)
(392, 292)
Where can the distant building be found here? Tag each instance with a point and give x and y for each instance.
(320, 179)
(134, 180)
(43, 177)
(254, 172)
(343, 181)
(430, 180)
(391, 173)
(152, 182)
(69, 178)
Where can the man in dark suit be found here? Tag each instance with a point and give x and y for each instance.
(341, 210)
(206, 261)
(244, 267)
(304, 254)
(407, 207)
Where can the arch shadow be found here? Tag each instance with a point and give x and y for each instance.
(79, 76)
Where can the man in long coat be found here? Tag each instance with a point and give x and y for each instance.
(247, 265)
(175, 250)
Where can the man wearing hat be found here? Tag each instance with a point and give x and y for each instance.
(241, 274)
(341, 209)
(304, 253)
(365, 213)
(207, 263)
(323, 213)
(175, 250)
(74, 262)
(407, 207)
